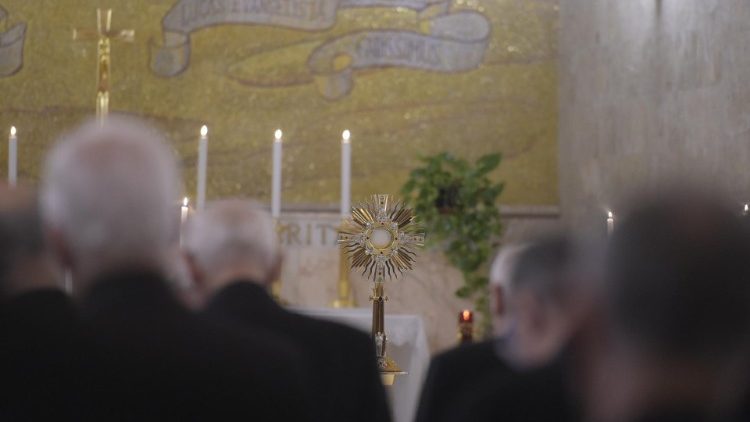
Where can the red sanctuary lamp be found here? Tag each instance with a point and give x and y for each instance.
(465, 327)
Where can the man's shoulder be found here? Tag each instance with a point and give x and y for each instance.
(258, 339)
(454, 374)
(468, 362)
(475, 355)
(328, 326)
(45, 309)
(332, 331)
(48, 298)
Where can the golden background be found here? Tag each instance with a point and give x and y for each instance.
(244, 81)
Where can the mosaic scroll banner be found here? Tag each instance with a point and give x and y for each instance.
(452, 42)
(455, 43)
(11, 47)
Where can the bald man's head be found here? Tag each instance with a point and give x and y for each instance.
(233, 239)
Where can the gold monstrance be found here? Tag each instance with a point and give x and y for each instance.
(380, 238)
(103, 34)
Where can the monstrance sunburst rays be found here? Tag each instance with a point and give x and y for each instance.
(381, 237)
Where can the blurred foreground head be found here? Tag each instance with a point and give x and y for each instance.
(25, 263)
(676, 295)
(540, 300)
(678, 279)
(232, 240)
(108, 198)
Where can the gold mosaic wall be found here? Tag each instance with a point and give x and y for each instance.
(407, 77)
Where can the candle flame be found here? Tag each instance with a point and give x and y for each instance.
(747, 208)
(610, 215)
(278, 134)
(12, 131)
(345, 135)
(204, 130)
(466, 314)
(185, 201)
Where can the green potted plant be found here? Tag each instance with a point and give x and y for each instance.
(457, 203)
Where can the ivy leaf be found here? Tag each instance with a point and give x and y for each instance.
(409, 187)
(463, 292)
(487, 163)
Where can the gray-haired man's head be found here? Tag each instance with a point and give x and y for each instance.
(232, 240)
(108, 198)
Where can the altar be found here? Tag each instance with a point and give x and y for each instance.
(407, 345)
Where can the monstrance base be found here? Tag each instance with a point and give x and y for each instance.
(388, 370)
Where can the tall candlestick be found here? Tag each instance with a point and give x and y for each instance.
(276, 200)
(184, 210)
(345, 296)
(346, 173)
(12, 157)
(610, 222)
(202, 163)
(276, 175)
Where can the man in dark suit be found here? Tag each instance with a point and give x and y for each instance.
(234, 255)
(36, 317)
(108, 201)
(517, 375)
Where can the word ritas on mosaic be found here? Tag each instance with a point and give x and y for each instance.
(308, 232)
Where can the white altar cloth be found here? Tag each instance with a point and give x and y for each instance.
(407, 345)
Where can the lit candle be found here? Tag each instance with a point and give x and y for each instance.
(184, 210)
(202, 163)
(346, 173)
(12, 157)
(746, 209)
(610, 222)
(465, 326)
(276, 175)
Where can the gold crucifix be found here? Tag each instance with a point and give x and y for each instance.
(103, 34)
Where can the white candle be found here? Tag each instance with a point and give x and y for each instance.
(184, 210)
(276, 175)
(346, 173)
(202, 163)
(610, 222)
(12, 157)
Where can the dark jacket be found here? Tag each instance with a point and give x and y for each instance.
(145, 357)
(472, 383)
(341, 360)
(36, 346)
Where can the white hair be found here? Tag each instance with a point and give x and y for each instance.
(111, 191)
(504, 264)
(233, 232)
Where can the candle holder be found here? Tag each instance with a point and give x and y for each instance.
(276, 285)
(465, 327)
(345, 296)
(380, 238)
